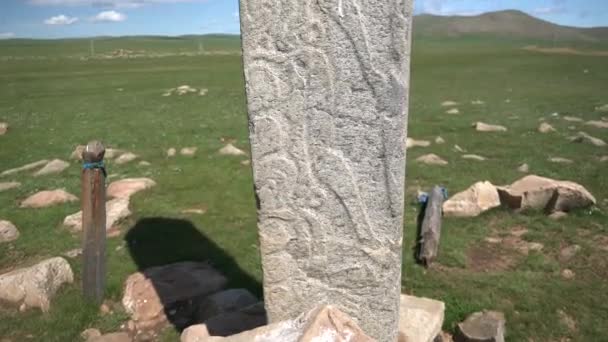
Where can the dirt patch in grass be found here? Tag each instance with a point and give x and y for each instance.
(565, 51)
(489, 258)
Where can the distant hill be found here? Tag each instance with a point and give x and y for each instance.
(509, 23)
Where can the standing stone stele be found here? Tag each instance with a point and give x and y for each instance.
(327, 93)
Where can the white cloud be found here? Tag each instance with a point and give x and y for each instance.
(110, 16)
(61, 19)
(126, 4)
(6, 35)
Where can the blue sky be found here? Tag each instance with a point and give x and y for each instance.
(77, 18)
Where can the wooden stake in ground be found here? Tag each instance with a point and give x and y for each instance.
(93, 221)
(429, 222)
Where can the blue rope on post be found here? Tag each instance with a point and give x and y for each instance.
(424, 197)
(95, 165)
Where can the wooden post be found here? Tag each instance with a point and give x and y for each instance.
(93, 222)
(429, 226)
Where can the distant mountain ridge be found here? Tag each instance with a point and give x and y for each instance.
(510, 23)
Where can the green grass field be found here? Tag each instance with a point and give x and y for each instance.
(60, 100)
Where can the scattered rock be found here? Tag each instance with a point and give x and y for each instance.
(247, 162)
(171, 152)
(420, 319)
(484, 127)
(478, 198)
(534, 192)
(125, 188)
(439, 140)
(584, 137)
(53, 167)
(177, 287)
(525, 168)
(203, 91)
(230, 150)
(572, 119)
(48, 198)
(144, 163)
(26, 167)
(188, 151)
(482, 326)
(568, 274)
(567, 253)
(9, 185)
(473, 157)
(545, 128)
(603, 159)
(125, 158)
(116, 210)
(493, 240)
(431, 159)
(8, 231)
(477, 102)
(77, 153)
(90, 334)
(567, 320)
(411, 142)
(560, 160)
(325, 323)
(225, 301)
(34, 287)
(112, 337)
(449, 103)
(558, 215)
(603, 108)
(74, 253)
(197, 210)
(3, 128)
(453, 111)
(459, 149)
(598, 123)
(185, 89)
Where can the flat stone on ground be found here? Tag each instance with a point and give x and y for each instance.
(3, 128)
(568, 274)
(439, 140)
(481, 327)
(449, 103)
(560, 160)
(584, 137)
(431, 159)
(545, 128)
(53, 167)
(26, 167)
(171, 152)
(597, 123)
(411, 142)
(8, 231)
(420, 319)
(9, 185)
(484, 127)
(473, 157)
(572, 118)
(150, 294)
(479, 197)
(125, 158)
(34, 287)
(188, 151)
(453, 111)
(125, 188)
(116, 210)
(230, 150)
(77, 153)
(48, 198)
(524, 168)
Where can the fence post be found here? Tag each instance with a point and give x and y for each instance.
(93, 221)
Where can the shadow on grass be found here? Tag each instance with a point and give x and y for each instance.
(160, 241)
